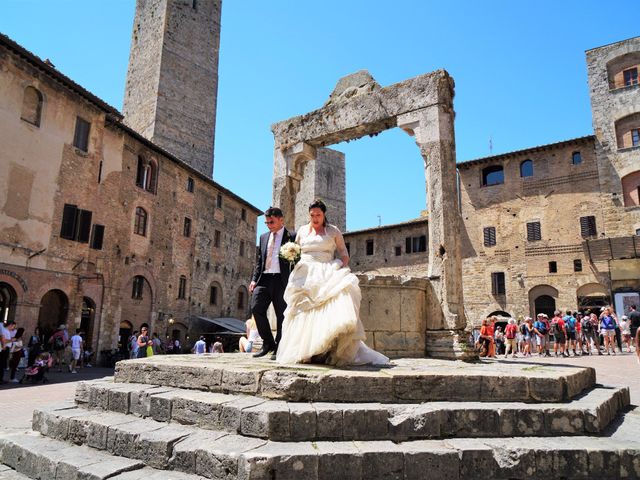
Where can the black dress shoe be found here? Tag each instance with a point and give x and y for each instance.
(266, 348)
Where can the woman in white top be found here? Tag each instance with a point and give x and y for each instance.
(252, 341)
(321, 322)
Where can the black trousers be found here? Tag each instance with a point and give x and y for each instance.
(4, 357)
(269, 290)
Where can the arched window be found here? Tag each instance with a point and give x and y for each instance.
(628, 131)
(182, 287)
(631, 189)
(526, 169)
(242, 295)
(147, 174)
(493, 175)
(140, 224)
(623, 70)
(576, 158)
(31, 106)
(137, 287)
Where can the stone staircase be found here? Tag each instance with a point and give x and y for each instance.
(248, 419)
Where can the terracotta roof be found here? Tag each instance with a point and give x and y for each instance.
(413, 221)
(549, 146)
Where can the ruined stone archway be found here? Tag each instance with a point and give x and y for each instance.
(422, 107)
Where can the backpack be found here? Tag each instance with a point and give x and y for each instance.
(570, 323)
(587, 326)
(542, 328)
(510, 331)
(556, 329)
(523, 329)
(58, 343)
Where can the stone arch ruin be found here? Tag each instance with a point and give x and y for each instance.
(423, 107)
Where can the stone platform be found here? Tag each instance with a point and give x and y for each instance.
(233, 417)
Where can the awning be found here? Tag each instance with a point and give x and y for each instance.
(219, 325)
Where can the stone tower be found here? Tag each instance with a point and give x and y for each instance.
(172, 81)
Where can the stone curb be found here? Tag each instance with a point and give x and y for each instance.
(287, 421)
(420, 381)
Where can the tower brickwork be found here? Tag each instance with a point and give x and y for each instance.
(172, 80)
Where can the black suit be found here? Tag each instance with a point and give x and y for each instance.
(270, 289)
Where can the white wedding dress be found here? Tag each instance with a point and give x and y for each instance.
(323, 303)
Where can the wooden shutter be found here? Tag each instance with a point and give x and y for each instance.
(97, 237)
(588, 226)
(81, 137)
(84, 226)
(497, 283)
(489, 236)
(533, 231)
(408, 245)
(68, 228)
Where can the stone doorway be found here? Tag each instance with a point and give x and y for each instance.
(54, 308)
(126, 329)
(544, 304)
(8, 301)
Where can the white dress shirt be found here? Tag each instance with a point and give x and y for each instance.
(275, 254)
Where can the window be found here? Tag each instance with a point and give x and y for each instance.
(638, 231)
(553, 267)
(216, 239)
(190, 184)
(240, 299)
(415, 244)
(493, 175)
(31, 106)
(576, 158)
(577, 265)
(533, 232)
(146, 175)
(213, 295)
(497, 283)
(140, 223)
(241, 248)
(630, 77)
(76, 224)
(81, 136)
(526, 169)
(489, 236)
(186, 231)
(219, 201)
(97, 236)
(138, 287)
(182, 287)
(635, 137)
(398, 250)
(369, 247)
(588, 226)
(243, 214)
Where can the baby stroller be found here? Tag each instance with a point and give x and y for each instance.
(38, 372)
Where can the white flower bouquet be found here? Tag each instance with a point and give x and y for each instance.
(290, 252)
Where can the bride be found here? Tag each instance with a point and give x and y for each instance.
(323, 301)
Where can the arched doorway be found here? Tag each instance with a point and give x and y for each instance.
(592, 296)
(54, 308)
(86, 320)
(503, 318)
(8, 300)
(542, 299)
(126, 329)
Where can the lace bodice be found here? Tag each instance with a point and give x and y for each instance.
(321, 247)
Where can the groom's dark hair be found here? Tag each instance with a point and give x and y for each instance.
(273, 212)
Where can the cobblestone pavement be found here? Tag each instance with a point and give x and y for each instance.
(17, 401)
(621, 369)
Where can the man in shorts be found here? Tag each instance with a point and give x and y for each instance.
(559, 334)
(76, 350)
(540, 331)
(570, 329)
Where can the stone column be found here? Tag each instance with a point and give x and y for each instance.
(433, 131)
(287, 175)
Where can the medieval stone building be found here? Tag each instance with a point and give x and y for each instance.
(553, 226)
(102, 228)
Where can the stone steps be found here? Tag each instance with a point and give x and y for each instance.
(290, 421)
(35, 456)
(404, 381)
(221, 455)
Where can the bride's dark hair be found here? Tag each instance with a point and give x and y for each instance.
(317, 203)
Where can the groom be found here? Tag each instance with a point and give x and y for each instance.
(269, 280)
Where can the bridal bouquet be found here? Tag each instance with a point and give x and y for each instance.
(290, 252)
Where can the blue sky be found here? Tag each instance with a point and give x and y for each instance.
(519, 69)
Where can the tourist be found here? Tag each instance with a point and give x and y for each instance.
(608, 328)
(17, 352)
(510, 333)
(132, 345)
(499, 337)
(217, 346)
(200, 347)
(625, 330)
(578, 317)
(177, 347)
(634, 320)
(540, 330)
(252, 340)
(570, 329)
(589, 335)
(143, 341)
(528, 336)
(35, 346)
(76, 351)
(487, 348)
(559, 334)
(545, 320)
(7, 332)
(58, 343)
(157, 345)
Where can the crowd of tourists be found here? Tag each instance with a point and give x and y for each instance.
(141, 344)
(57, 350)
(564, 334)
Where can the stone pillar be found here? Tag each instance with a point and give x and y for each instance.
(433, 131)
(287, 175)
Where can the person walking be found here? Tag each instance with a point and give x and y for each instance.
(510, 334)
(35, 346)
(608, 327)
(16, 352)
(200, 347)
